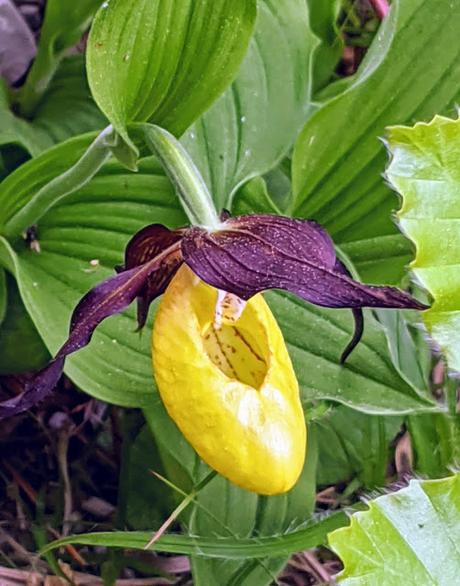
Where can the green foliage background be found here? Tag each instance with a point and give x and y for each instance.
(250, 90)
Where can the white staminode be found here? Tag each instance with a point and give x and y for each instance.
(229, 308)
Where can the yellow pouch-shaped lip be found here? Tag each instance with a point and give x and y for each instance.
(231, 390)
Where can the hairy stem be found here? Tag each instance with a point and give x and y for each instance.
(190, 186)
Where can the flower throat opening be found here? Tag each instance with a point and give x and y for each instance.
(237, 353)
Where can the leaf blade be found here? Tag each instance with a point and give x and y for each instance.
(409, 536)
(251, 127)
(233, 549)
(144, 58)
(338, 159)
(424, 170)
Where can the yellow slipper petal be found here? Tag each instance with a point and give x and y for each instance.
(231, 389)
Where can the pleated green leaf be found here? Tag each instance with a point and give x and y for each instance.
(3, 295)
(18, 331)
(251, 127)
(368, 381)
(354, 445)
(64, 110)
(165, 60)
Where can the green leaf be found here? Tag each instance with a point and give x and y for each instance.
(410, 537)
(368, 381)
(18, 332)
(380, 259)
(252, 126)
(62, 185)
(409, 349)
(65, 110)
(253, 198)
(165, 60)
(20, 187)
(62, 28)
(91, 226)
(15, 131)
(425, 170)
(411, 71)
(354, 445)
(323, 19)
(313, 534)
(435, 441)
(148, 499)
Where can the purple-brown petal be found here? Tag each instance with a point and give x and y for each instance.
(107, 298)
(143, 246)
(358, 318)
(250, 254)
(36, 388)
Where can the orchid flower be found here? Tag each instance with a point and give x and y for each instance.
(219, 358)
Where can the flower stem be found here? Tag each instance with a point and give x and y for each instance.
(190, 186)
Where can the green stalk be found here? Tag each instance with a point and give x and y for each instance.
(61, 29)
(3, 295)
(181, 507)
(68, 182)
(451, 385)
(190, 186)
(41, 73)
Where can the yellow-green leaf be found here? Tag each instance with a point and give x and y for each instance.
(425, 170)
(410, 537)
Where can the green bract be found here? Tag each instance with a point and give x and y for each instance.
(165, 61)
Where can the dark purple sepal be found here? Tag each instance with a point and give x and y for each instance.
(250, 254)
(146, 244)
(108, 298)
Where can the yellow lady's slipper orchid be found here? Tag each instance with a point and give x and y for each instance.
(230, 389)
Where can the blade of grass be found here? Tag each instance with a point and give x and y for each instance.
(181, 507)
(311, 535)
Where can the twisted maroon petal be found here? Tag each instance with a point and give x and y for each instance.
(146, 244)
(108, 298)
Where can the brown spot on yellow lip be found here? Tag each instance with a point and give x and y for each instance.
(248, 345)
(237, 356)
